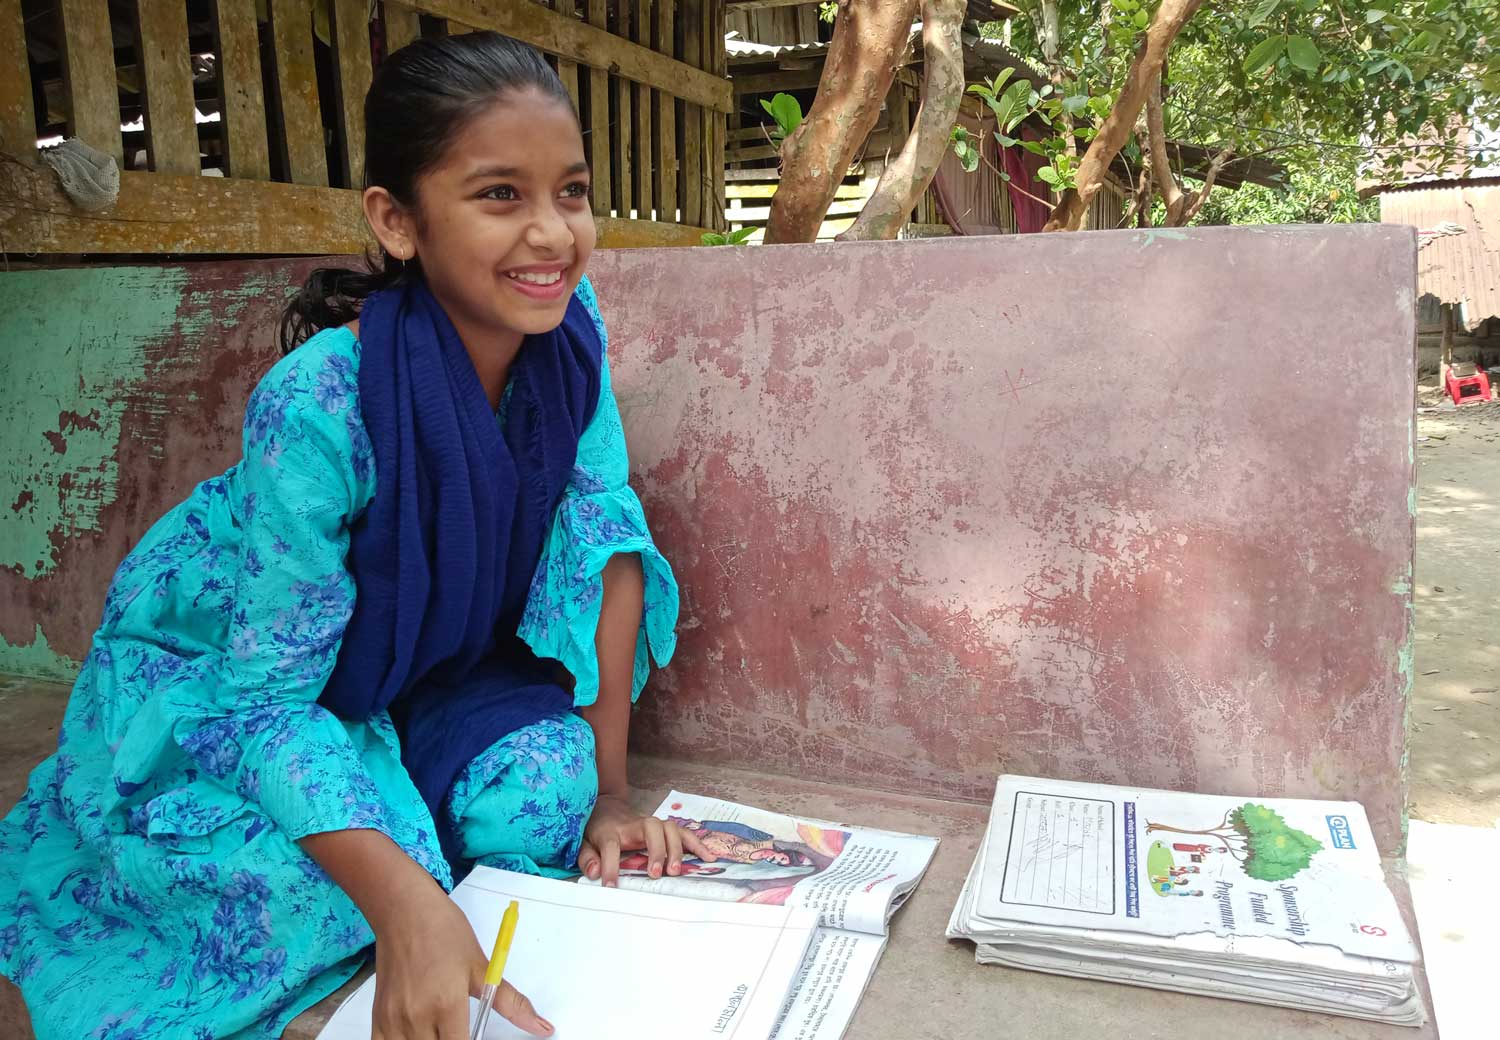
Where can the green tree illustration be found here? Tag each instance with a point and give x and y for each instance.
(1260, 839)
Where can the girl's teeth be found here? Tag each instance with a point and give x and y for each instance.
(538, 279)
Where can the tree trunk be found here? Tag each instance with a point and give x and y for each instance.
(909, 173)
(1145, 68)
(869, 41)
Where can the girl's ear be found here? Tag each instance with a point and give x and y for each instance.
(392, 224)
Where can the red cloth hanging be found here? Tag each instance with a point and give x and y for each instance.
(1021, 166)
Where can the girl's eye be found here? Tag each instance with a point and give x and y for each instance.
(500, 193)
(576, 190)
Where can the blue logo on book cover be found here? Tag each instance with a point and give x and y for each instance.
(1339, 831)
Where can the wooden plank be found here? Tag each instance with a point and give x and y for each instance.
(299, 116)
(716, 59)
(241, 96)
(351, 56)
(785, 21)
(588, 45)
(624, 116)
(615, 233)
(751, 153)
(164, 213)
(807, 23)
(666, 120)
(772, 82)
(761, 214)
(567, 70)
(89, 75)
(642, 107)
(598, 130)
(17, 113)
(757, 134)
(692, 125)
(167, 81)
(763, 5)
(739, 191)
(402, 25)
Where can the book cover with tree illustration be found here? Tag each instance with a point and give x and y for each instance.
(1168, 863)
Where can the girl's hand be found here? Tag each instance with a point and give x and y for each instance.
(427, 965)
(615, 827)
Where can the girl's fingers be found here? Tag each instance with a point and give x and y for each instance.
(517, 1009)
(694, 844)
(674, 849)
(588, 861)
(656, 847)
(609, 866)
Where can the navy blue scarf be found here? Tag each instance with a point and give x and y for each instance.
(443, 557)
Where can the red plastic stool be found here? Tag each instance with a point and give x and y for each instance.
(1468, 384)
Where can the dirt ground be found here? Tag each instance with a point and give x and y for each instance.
(1455, 738)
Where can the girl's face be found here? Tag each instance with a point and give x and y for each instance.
(503, 227)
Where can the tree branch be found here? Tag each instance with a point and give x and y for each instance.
(1199, 197)
(906, 177)
(869, 42)
(1145, 67)
(1161, 164)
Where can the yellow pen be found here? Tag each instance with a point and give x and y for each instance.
(496, 970)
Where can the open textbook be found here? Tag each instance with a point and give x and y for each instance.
(1277, 901)
(777, 938)
(853, 878)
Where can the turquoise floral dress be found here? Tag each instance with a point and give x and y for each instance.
(150, 881)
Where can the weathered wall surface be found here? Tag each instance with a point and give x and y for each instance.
(1078, 505)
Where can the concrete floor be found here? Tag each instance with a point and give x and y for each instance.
(1455, 721)
(926, 988)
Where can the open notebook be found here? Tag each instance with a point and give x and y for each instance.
(600, 963)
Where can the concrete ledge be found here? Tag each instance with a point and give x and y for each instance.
(926, 987)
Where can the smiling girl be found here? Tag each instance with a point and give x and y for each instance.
(401, 636)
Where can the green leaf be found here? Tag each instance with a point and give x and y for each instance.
(1374, 15)
(1005, 176)
(1075, 104)
(1035, 148)
(1303, 53)
(1006, 142)
(1048, 174)
(1017, 95)
(713, 238)
(740, 237)
(1141, 19)
(787, 111)
(1264, 53)
(1263, 11)
(1422, 40)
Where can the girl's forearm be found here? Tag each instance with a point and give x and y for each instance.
(373, 871)
(615, 643)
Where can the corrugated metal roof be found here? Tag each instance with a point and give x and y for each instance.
(991, 53)
(1458, 255)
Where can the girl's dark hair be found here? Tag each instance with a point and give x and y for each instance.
(422, 96)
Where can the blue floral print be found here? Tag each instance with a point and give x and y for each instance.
(151, 884)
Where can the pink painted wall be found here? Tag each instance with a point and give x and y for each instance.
(1116, 506)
